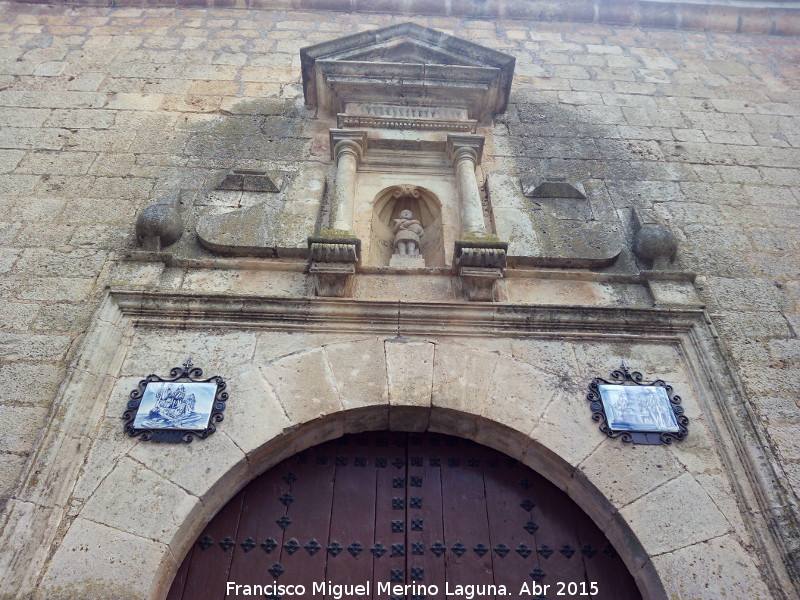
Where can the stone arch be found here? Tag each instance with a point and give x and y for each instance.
(427, 209)
(536, 414)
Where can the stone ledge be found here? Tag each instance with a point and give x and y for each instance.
(775, 17)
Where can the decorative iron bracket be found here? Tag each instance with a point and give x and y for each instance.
(177, 408)
(636, 411)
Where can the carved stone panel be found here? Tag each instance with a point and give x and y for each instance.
(562, 233)
(277, 225)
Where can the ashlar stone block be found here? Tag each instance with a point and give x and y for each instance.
(134, 512)
(304, 386)
(96, 561)
(461, 378)
(409, 372)
(566, 428)
(198, 467)
(359, 374)
(678, 513)
(624, 472)
(518, 395)
(729, 571)
(254, 415)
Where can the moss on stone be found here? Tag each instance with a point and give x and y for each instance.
(480, 240)
(334, 236)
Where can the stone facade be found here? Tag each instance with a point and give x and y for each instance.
(108, 111)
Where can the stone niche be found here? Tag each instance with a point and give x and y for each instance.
(425, 208)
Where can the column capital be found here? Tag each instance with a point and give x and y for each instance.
(459, 145)
(347, 140)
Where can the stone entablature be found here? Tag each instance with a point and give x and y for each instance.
(390, 116)
(422, 66)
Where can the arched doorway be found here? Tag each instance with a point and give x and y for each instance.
(425, 512)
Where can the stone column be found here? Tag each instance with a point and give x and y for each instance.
(465, 152)
(347, 148)
(479, 256)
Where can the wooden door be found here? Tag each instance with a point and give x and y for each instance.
(399, 515)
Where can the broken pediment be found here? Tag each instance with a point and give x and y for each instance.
(249, 181)
(271, 224)
(551, 231)
(407, 64)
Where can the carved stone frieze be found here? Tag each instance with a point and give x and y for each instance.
(494, 258)
(391, 116)
(480, 260)
(333, 253)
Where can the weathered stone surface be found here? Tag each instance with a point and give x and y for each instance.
(409, 373)
(567, 412)
(541, 237)
(729, 571)
(359, 373)
(134, 513)
(254, 416)
(197, 467)
(277, 226)
(304, 385)
(461, 378)
(94, 561)
(665, 525)
(518, 395)
(217, 353)
(612, 461)
(699, 127)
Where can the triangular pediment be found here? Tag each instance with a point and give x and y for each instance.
(410, 65)
(410, 51)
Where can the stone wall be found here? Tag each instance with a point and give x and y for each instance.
(105, 110)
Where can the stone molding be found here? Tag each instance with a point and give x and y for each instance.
(42, 511)
(347, 142)
(465, 147)
(421, 65)
(746, 16)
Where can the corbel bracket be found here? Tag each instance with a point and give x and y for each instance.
(333, 255)
(480, 260)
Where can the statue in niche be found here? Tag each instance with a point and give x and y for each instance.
(407, 233)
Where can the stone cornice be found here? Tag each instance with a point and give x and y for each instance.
(402, 318)
(775, 17)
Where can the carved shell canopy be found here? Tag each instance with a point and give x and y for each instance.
(407, 62)
(405, 190)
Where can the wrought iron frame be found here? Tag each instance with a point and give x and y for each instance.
(190, 374)
(624, 376)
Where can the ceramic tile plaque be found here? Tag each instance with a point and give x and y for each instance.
(178, 408)
(637, 411)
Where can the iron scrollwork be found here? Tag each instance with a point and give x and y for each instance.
(652, 403)
(177, 408)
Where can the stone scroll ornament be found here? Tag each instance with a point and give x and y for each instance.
(636, 411)
(178, 408)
